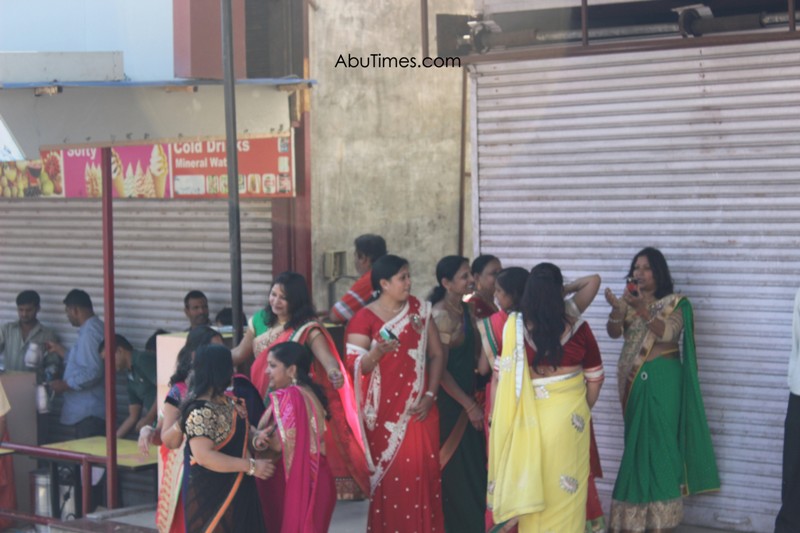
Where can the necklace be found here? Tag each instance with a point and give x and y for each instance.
(457, 310)
(390, 311)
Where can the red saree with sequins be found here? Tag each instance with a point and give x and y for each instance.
(403, 453)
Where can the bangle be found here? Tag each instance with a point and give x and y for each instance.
(648, 322)
(252, 470)
(612, 320)
(473, 406)
(257, 448)
(431, 394)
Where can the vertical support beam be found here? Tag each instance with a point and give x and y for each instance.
(462, 164)
(110, 345)
(234, 233)
(585, 22)
(302, 204)
(423, 10)
(792, 16)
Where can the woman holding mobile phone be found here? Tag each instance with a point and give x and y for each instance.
(397, 382)
(668, 452)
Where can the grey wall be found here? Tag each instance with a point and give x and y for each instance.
(385, 141)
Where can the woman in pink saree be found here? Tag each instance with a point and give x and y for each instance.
(293, 428)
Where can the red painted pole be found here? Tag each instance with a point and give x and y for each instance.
(110, 345)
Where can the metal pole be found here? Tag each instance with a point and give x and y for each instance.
(110, 345)
(423, 8)
(462, 167)
(585, 22)
(792, 16)
(233, 170)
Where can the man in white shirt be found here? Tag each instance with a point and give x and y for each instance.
(15, 337)
(788, 520)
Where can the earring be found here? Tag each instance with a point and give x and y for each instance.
(294, 381)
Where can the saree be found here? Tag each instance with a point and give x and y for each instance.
(463, 452)
(539, 444)
(345, 444)
(668, 451)
(308, 494)
(217, 501)
(8, 492)
(402, 452)
(169, 510)
(479, 307)
(491, 330)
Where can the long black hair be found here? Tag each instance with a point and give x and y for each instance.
(386, 267)
(512, 280)
(293, 353)
(658, 265)
(298, 299)
(544, 314)
(446, 268)
(212, 372)
(197, 337)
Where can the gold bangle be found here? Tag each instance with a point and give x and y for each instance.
(612, 320)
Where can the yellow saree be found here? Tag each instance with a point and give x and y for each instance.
(539, 444)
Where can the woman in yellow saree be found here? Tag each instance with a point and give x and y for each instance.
(539, 439)
(668, 452)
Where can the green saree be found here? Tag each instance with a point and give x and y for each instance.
(463, 449)
(668, 450)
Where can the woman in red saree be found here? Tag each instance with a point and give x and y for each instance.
(220, 493)
(290, 316)
(397, 359)
(294, 427)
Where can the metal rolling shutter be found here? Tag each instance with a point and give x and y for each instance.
(584, 161)
(162, 250)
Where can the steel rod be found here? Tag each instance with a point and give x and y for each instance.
(234, 233)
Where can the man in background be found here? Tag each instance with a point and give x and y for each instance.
(140, 370)
(788, 520)
(84, 407)
(195, 306)
(369, 248)
(15, 337)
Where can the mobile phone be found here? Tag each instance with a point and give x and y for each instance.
(632, 284)
(387, 335)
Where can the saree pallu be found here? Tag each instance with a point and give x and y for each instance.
(539, 449)
(308, 495)
(344, 441)
(8, 492)
(403, 453)
(223, 502)
(463, 452)
(668, 451)
(169, 511)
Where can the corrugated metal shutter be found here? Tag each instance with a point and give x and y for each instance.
(161, 251)
(584, 161)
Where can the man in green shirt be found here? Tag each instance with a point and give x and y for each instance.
(140, 367)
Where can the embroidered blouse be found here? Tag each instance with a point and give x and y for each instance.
(211, 420)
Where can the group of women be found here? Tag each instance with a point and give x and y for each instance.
(470, 411)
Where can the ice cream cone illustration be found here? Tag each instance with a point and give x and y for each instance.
(130, 182)
(117, 175)
(93, 184)
(144, 183)
(158, 169)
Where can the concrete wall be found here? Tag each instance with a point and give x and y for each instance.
(385, 141)
(141, 29)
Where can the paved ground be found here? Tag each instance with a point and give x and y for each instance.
(348, 517)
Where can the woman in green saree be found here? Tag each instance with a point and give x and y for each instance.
(462, 454)
(668, 452)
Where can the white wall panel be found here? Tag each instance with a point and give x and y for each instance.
(583, 161)
(161, 251)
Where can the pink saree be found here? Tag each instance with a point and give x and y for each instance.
(305, 491)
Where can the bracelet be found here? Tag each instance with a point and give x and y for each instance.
(431, 394)
(257, 448)
(252, 470)
(612, 320)
(648, 322)
(473, 406)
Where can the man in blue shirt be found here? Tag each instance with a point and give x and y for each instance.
(83, 387)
